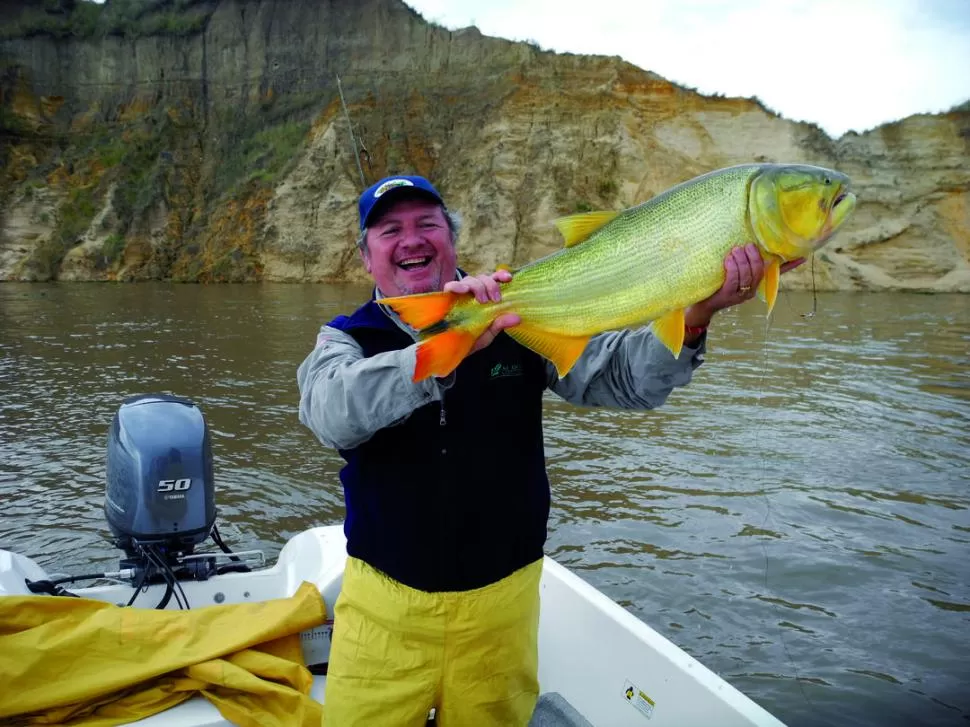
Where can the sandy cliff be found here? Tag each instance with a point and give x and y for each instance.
(205, 140)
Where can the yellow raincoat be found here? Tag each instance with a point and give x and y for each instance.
(79, 661)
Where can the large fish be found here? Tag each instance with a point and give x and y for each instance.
(645, 264)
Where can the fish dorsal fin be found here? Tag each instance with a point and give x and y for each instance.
(577, 228)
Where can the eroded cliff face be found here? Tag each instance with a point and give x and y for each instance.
(207, 141)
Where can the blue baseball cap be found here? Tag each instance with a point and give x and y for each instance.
(389, 186)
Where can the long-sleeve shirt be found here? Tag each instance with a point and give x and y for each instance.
(346, 397)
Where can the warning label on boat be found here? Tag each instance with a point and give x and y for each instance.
(638, 698)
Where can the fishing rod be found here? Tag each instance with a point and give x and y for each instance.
(353, 138)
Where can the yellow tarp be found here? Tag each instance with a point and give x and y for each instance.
(78, 661)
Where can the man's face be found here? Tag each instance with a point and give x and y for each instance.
(409, 248)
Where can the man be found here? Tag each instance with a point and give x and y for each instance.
(446, 491)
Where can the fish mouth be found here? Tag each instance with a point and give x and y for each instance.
(842, 206)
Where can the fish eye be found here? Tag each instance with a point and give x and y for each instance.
(828, 181)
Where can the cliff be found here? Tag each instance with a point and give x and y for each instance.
(204, 140)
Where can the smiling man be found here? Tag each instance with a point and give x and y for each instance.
(447, 497)
(410, 248)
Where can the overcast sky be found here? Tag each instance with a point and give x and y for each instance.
(844, 64)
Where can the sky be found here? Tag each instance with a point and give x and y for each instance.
(842, 64)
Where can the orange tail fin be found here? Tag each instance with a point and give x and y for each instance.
(441, 354)
(422, 310)
(444, 346)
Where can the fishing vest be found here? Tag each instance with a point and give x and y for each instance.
(456, 496)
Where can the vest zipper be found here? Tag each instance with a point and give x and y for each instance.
(442, 421)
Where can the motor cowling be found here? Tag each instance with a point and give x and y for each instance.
(160, 489)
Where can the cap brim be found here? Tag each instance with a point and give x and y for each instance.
(396, 194)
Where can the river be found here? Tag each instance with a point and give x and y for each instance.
(798, 518)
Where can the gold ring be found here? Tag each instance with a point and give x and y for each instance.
(745, 288)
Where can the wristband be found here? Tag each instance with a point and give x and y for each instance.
(694, 330)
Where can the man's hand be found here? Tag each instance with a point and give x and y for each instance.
(743, 268)
(486, 289)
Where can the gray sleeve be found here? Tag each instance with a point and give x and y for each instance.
(345, 397)
(626, 370)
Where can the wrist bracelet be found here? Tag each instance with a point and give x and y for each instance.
(693, 330)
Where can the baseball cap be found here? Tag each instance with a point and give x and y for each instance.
(381, 190)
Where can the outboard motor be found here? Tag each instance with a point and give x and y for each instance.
(160, 500)
(160, 491)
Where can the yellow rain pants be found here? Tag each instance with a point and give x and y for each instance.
(397, 652)
(78, 661)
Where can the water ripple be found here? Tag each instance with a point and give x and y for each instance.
(798, 518)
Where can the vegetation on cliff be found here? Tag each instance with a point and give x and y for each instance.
(139, 190)
(86, 20)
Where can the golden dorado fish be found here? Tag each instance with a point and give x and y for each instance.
(641, 265)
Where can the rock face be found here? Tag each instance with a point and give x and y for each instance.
(205, 140)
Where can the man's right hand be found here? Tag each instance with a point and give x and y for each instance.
(486, 289)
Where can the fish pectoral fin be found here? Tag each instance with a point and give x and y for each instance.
(768, 287)
(577, 228)
(669, 330)
(561, 350)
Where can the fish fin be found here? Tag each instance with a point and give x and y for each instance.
(577, 228)
(503, 266)
(441, 354)
(669, 329)
(422, 310)
(561, 350)
(768, 287)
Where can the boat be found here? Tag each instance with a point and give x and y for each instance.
(599, 665)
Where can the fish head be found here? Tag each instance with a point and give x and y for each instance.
(796, 208)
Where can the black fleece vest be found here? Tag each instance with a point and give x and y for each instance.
(456, 496)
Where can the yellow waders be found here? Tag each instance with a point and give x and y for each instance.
(397, 652)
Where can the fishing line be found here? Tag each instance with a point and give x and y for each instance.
(814, 294)
(764, 495)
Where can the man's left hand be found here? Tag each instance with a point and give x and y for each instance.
(743, 271)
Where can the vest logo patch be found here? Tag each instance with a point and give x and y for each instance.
(503, 370)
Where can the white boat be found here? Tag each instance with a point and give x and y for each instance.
(598, 664)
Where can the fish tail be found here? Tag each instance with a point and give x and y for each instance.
(440, 354)
(424, 310)
(443, 343)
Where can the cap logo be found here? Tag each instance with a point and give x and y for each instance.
(391, 185)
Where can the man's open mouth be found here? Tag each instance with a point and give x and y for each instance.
(413, 263)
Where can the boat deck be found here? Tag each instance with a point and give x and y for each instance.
(553, 710)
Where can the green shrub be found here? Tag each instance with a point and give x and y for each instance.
(112, 248)
(259, 156)
(86, 19)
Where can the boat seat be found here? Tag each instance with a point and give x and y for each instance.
(553, 710)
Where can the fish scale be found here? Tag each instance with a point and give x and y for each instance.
(658, 256)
